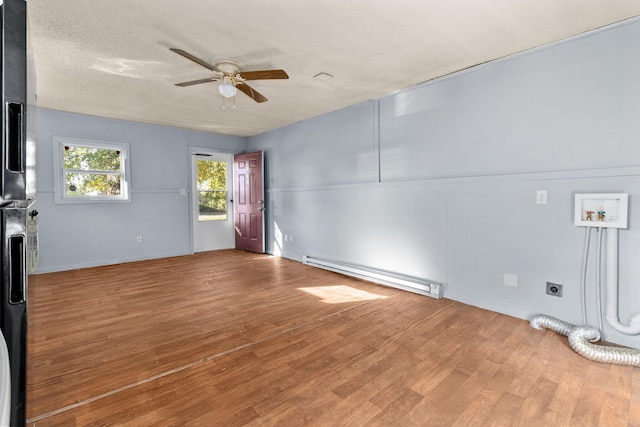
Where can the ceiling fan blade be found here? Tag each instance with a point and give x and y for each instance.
(195, 59)
(197, 82)
(251, 92)
(263, 75)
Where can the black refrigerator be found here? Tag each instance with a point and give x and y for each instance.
(17, 196)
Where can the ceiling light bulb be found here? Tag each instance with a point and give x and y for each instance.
(226, 88)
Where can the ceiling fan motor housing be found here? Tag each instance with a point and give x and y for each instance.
(228, 67)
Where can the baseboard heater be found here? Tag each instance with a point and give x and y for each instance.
(399, 281)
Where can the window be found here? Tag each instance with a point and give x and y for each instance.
(90, 171)
(212, 190)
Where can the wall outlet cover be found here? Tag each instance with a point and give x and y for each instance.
(554, 289)
(511, 280)
(541, 197)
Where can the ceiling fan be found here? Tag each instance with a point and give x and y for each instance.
(228, 72)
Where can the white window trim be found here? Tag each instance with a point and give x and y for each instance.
(60, 180)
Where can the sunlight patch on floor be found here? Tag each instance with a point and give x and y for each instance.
(340, 294)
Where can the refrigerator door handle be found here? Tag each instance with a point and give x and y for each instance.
(17, 269)
(14, 131)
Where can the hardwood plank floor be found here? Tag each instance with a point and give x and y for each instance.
(231, 338)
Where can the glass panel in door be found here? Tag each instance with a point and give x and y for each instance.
(212, 190)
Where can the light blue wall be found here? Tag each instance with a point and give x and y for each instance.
(440, 181)
(81, 235)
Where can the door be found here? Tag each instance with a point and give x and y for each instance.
(248, 189)
(210, 198)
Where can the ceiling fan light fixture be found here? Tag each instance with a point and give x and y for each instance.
(226, 88)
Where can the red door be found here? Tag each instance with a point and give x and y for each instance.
(249, 201)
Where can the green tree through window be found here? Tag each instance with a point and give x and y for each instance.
(92, 171)
(212, 190)
(88, 171)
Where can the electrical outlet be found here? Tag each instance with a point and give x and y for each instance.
(139, 239)
(554, 289)
(541, 197)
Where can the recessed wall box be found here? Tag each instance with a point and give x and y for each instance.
(604, 210)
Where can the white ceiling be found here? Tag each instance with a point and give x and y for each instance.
(111, 58)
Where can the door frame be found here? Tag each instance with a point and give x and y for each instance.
(191, 193)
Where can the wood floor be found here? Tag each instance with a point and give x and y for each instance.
(231, 338)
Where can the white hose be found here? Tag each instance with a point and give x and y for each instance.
(581, 338)
(599, 278)
(583, 277)
(612, 288)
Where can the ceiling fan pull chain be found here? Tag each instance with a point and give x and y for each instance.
(224, 103)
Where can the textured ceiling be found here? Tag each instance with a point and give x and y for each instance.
(111, 58)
